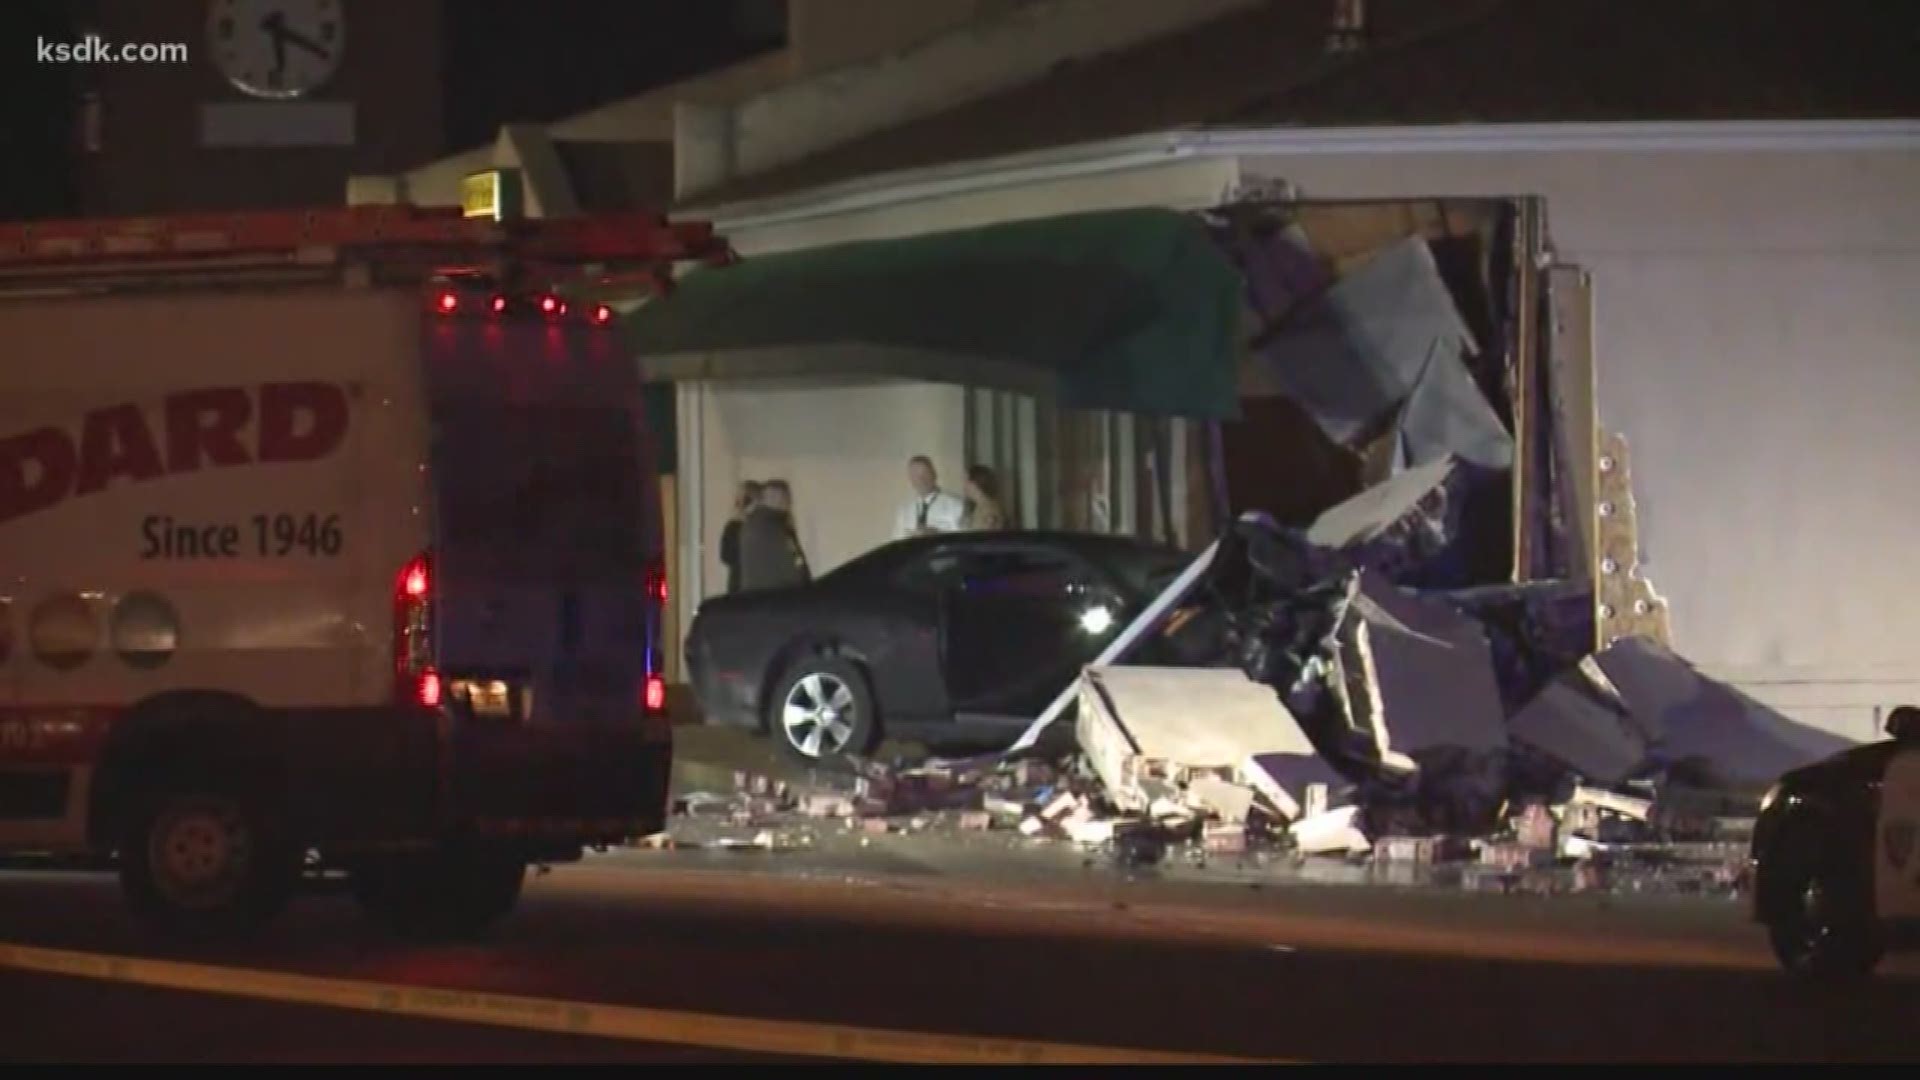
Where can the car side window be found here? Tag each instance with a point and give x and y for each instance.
(1026, 574)
(932, 571)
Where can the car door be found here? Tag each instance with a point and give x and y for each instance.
(1019, 623)
(901, 604)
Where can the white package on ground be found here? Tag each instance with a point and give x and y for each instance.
(1144, 728)
(1330, 832)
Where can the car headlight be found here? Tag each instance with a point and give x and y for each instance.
(1772, 796)
(1096, 620)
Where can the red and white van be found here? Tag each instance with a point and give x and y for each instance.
(327, 556)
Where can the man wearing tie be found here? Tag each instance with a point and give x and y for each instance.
(930, 510)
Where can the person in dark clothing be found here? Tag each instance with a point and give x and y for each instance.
(743, 504)
(770, 555)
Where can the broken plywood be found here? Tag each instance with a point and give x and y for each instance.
(1142, 725)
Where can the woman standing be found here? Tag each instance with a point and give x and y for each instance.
(984, 511)
(743, 503)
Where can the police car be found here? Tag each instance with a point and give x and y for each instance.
(1836, 854)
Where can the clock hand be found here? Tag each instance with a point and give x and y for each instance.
(275, 24)
(295, 38)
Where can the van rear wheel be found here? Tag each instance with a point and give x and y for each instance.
(204, 861)
(443, 894)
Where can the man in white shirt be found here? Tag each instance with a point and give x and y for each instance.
(930, 510)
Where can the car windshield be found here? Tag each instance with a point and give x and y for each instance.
(1148, 569)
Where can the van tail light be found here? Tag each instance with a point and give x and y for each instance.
(657, 583)
(656, 697)
(415, 682)
(426, 689)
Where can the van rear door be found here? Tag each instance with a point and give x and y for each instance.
(545, 533)
(543, 528)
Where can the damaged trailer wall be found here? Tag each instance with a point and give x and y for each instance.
(1382, 337)
(1754, 334)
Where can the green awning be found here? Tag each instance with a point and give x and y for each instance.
(1132, 310)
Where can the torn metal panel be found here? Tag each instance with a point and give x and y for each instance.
(1707, 726)
(1143, 724)
(1356, 687)
(1356, 353)
(1289, 782)
(1276, 262)
(1374, 512)
(1446, 416)
(1433, 671)
(1535, 631)
(1580, 722)
(1410, 528)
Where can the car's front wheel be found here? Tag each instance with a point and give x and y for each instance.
(822, 708)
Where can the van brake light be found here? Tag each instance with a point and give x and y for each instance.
(427, 690)
(415, 681)
(656, 700)
(414, 584)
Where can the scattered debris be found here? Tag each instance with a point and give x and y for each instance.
(1136, 726)
(1224, 838)
(827, 806)
(974, 821)
(1332, 832)
(1224, 799)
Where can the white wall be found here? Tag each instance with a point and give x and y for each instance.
(842, 445)
(1758, 333)
(1176, 183)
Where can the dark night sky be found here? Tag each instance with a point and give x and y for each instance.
(36, 126)
(510, 60)
(505, 61)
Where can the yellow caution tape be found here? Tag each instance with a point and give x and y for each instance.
(743, 1034)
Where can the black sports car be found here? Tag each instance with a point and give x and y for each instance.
(1836, 854)
(954, 639)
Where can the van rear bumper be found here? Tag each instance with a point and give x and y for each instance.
(560, 783)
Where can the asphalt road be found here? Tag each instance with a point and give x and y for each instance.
(1301, 972)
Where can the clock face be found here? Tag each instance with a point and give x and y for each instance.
(276, 48)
